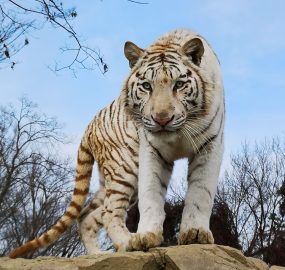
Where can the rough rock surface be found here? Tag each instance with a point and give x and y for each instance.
(196, 257)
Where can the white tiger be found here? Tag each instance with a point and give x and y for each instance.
(171, 107)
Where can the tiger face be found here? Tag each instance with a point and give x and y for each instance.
(164, 86)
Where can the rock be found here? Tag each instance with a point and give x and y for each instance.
(210, 257)
(196, 257)
(105, 261)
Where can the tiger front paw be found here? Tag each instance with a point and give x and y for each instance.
(196, 236)
(147, 240)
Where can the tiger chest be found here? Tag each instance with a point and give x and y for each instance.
(171, 147)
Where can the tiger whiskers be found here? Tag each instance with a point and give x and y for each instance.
(189, 137)
(195, 132)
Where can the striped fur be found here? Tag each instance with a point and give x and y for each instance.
(171, 106)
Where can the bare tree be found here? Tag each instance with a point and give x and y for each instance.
(34, 179)
(222, 224)
(251, 189)
(18, 19)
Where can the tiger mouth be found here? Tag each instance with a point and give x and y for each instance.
(163, 130)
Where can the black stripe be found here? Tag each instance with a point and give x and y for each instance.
(170, 62)
(113, 115)
(197, 206)
(121, 136)
(85, 150)
(197, 93)
(178, 122)
(136, 95)
(152, 72)
(196, 82)
(83, 176)
(149, 65)
(203, 91)
(144, 74)
(157, 153)
(212, 138)
(143, 90)
(174, 66)
(172, 57)
(206, 189)
(180, 89)
(160, 180)
(111, 110)
(199, 165)
(205, 144)
(211, 122)
(124, 183)
(120, 207)
(84, 162)
(98, 222)
(113, 191)
(192, 102)
(153, 58)
(190, 92)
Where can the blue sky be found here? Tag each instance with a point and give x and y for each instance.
(248, 36)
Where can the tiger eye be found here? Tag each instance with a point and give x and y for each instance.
(179, 84)
(146, 86)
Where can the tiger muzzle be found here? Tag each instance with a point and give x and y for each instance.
(162, 121)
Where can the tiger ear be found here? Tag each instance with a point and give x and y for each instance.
(132, 53)
(194, 49)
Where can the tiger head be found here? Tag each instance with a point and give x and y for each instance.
(165, 87)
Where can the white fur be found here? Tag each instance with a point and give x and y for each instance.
(155, 168)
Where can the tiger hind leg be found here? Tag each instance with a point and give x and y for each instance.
(90, 222)
(117, 201)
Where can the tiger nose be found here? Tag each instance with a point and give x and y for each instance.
(162, 121)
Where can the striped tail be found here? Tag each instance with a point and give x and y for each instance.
(85, 163)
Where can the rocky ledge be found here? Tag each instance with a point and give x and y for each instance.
(196, 257)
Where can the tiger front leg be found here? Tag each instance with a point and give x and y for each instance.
(203, 173)
(154, 175)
